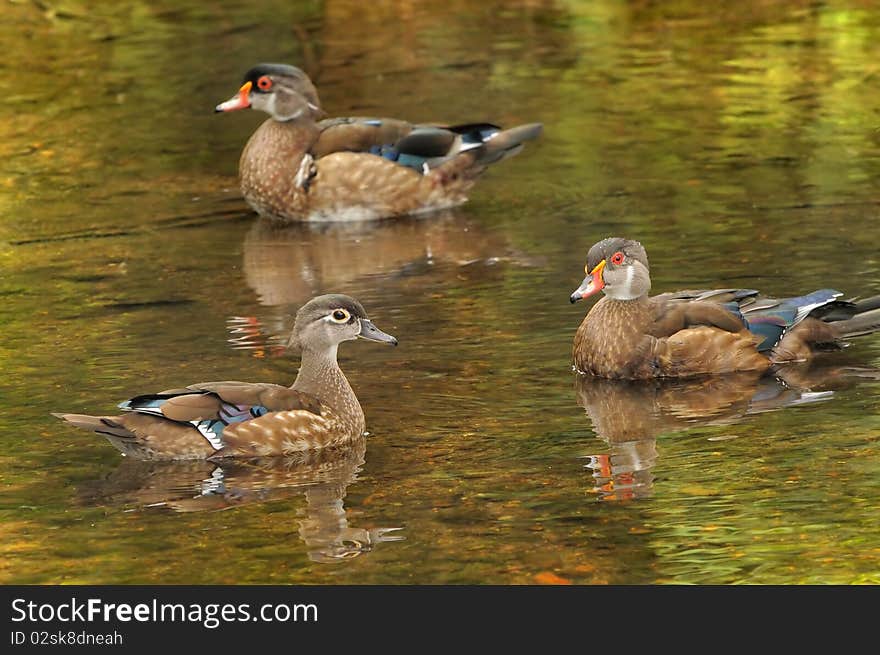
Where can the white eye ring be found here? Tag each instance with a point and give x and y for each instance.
(339, 316)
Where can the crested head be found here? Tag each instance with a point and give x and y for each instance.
(268, 68)
(326, 321)
(284, 92)
(606, 248)
(618, 267)
(321, 306)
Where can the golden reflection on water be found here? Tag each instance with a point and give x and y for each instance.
(321, 477)
(630, 416)
(287, 266)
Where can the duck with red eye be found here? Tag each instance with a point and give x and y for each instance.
(622, 275)
(296, 167)
(629, 334)
(283, 92)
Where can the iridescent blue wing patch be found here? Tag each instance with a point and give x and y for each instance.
(212, 429)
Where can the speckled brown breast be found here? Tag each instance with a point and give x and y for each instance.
(268, 167)
(611, 341)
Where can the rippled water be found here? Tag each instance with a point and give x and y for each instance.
(739, 144)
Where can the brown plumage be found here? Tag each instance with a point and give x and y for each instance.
(630, 335)
(242, 419)
(295, 168)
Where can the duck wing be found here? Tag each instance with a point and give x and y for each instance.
(420, 147)
(719, 309)
(195, 422)
(357, 134)
(772, 318)
(207, 400)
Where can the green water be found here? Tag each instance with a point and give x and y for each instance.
(740, 145)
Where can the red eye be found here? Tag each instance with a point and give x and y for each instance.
(617, 258)
(264, 83)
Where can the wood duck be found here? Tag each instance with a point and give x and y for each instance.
(248, 419)
(629, 335)
(296, 168)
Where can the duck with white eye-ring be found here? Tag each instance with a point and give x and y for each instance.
(246, 419)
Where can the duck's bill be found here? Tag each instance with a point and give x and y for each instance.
(371, 333)
(583, 291)
(241, 100)
(593, 283)
(588, 288)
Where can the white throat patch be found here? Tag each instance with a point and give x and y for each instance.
(625, 292)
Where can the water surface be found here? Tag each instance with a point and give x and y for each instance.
(740, 145)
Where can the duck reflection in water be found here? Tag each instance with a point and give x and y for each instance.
(287, 265)
(322, 476)
(629, 415)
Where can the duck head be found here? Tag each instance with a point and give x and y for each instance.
(284, 92)
(326, 321)
(618, 268)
